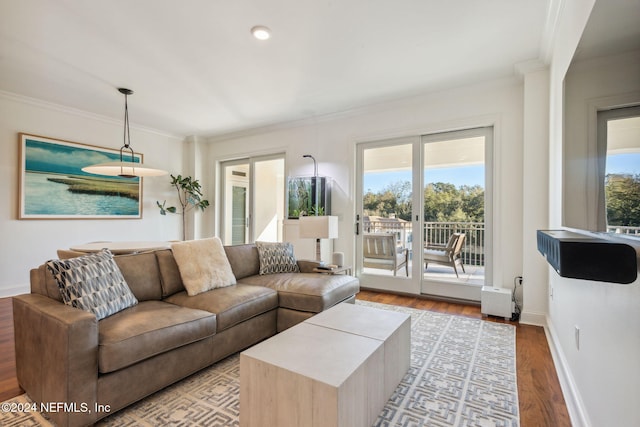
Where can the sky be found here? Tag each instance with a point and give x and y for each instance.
(474, 175)
(465, 175)
(624, 163)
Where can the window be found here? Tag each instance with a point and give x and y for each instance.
(619, 139)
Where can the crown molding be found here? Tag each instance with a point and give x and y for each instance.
(39, 103)
(525, 67)
(379, 106)
(549, 33)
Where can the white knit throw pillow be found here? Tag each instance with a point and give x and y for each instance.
(203, 265)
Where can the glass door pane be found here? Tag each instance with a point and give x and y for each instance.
(239, 215)
(454, 213)
(235, 202)
(385, 206)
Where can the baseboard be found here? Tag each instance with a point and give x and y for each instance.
(533, 318)
(14, 290)
(575, 406)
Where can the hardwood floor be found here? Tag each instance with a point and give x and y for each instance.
(541, 400)
(8, 382)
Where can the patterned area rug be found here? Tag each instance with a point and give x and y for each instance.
(463, 373)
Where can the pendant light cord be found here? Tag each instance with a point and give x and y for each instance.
(130, 168)
(127, 133)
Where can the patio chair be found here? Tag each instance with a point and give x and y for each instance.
(449, 254)
(380, 251)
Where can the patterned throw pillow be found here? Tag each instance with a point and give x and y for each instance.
(93, 283)
(276, 258)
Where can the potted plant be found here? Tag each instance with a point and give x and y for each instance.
(190, 197)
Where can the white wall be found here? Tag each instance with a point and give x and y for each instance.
(604, 371)
(599, 379)
(332, 141)
(593, 85)
(535, 171)
(28, 243)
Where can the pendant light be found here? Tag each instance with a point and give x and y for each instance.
(124, 169)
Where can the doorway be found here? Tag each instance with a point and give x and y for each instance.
(428, 198)
(252, 199)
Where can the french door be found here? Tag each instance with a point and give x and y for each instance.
(252, 199)
(416, 195)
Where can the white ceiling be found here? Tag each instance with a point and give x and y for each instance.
(196, 70)
(613, 27)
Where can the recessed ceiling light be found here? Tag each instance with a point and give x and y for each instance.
(260, 32)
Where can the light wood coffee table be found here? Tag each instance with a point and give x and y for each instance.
(337, 368)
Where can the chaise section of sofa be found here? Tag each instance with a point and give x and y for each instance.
(301, 295)
(64, 354)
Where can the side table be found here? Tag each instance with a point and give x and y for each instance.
(338, 270)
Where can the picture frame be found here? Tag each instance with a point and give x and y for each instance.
(52, 184)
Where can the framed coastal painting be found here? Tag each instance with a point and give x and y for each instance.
(53, 185)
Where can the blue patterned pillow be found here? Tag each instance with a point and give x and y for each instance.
(276, 258)
(93, 283)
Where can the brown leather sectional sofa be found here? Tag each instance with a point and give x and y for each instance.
(88, 369)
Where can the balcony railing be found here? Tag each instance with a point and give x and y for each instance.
(473, 248)
(634, 231)
(437, 233)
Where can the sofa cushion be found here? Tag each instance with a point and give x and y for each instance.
(148, 329)
(93, 283)
(276, 257)
(142, 274)
(203, 265)
(244, 260)
(169, 273)
(44, 283)
(312, 292)
(232, 305)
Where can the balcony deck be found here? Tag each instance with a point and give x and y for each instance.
(474, 274)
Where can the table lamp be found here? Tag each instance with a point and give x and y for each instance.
(319, 227)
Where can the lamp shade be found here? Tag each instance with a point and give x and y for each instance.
(124, 169)
(319, 227)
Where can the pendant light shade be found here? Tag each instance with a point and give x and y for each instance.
(123, 168)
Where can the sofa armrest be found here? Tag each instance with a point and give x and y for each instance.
(307, 265)
(57, 356)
